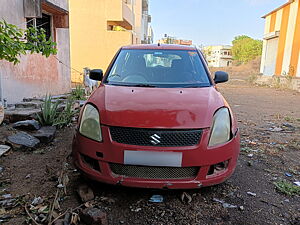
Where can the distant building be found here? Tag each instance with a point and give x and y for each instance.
(218, 56)
(150, 37)
(281, 45)
(172, 40)
(98, 28)
(36, 75)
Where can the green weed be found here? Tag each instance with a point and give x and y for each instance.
(49, 112)
(64, 118)
(78, 93)
(287, 188)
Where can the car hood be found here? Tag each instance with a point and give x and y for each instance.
(173, 108)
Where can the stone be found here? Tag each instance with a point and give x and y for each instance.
(59, 222)
(23, 139)
(4, 149)
(27, 125)
(32, 105)
(85, 193)
(15, 115)
(45, 134)
(93, 216)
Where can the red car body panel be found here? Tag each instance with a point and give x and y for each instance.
(180, 108)
(157, 108)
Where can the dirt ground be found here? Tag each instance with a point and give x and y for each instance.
(265, 158)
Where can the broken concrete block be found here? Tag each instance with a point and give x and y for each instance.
(22, 139)
(32, 105)
(85, 193)
(93, 216)
(15, 115)
(4, 149)
(27, 125)
(45, 134)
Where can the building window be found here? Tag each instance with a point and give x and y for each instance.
(44, 22)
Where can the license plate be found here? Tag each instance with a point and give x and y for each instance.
(150, 158)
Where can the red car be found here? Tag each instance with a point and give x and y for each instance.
(157, 121)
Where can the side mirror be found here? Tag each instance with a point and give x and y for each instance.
(221, 77)
(96, 74)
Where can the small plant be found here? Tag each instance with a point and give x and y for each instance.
(252, 79)
(287, 188)
(288, 119)
(49, 112)
(78, 93)
(277, 82)
(64, 118)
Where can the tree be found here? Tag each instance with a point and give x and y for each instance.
(15, 42)
(246, 48)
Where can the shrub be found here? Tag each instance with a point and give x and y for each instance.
(49, 112)
(50, 115)
(78, 93)
(64, 118)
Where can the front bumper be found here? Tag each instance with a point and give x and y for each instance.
(107, 152)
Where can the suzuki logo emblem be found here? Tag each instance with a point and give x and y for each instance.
(155, 139)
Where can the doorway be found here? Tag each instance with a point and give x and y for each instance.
(271, 55)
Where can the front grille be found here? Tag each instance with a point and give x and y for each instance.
(155, 137)
(150, 172)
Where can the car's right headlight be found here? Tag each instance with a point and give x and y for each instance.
(90, 123)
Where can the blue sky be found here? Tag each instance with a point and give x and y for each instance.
(210, 22)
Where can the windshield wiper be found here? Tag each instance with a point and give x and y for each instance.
(194, 86)
(143, 85)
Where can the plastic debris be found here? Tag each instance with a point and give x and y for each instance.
(37, 201)
(250, 155)
(297, 183)
(60, 186)
(276, 129)
(156, 199)
(288, 174)
(224, 204)
(7, 196)
(251, 193)
(185, 197)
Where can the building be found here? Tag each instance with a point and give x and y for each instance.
(37, 75)
(172, 40)
(281, 45)
(99, 28)
(150, 35)
(218, 56)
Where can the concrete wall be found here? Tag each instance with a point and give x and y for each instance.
(286, 22)
(61, 3)
(92, 44)
(35, 75)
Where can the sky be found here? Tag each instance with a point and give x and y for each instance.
(210, 22)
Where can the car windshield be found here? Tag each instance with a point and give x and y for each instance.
(158, 68)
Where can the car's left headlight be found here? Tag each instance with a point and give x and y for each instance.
(90, 123)
(220, 131)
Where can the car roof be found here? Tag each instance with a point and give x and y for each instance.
(160, 46)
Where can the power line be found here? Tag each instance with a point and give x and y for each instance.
(77, 71)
